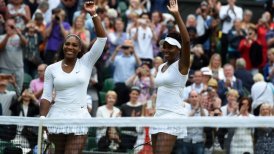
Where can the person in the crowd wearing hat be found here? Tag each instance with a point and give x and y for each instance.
(207, 74)
(124, 65)
(170, 80)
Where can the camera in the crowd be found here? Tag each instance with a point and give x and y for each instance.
(55, 12)
(227, 18)
(125, 47)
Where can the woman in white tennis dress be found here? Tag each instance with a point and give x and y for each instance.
(170, 80)
(69, 79)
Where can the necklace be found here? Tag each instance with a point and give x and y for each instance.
(65, 64)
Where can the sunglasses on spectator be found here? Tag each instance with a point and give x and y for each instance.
(125, 47)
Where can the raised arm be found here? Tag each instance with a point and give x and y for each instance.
(184, 61)
(91, 9)
(47, 93)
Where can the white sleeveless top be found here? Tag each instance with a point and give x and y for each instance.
(19, 21)
(170, 88)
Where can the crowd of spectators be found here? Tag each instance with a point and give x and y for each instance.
(231, 74)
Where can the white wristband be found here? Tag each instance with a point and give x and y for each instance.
(95, 15)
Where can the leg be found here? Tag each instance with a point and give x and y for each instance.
(198, 148)
(59, 141)
(75, 144)
(164, 143)
(180, 146)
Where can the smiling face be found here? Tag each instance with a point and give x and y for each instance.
(26, 95)
(134, 94)
(228, 71)
(72, 47)
(111, 99)
(216, 61)
(171, 52)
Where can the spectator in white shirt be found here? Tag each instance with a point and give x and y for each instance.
(228, 13)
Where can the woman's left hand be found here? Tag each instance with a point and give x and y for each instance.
(90, 7)
(173, 6)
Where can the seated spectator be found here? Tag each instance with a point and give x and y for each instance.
(133, 108)
(213, 83)
(242, 139)
(37, 85)
(198, 86)
(194, 141)
(230, 82)
(264, 137)
(111, 141)
(144, 80)
(107, 111)
(207, 74)
(216, 103)
(26, 106)
(231, 108)
(215, 65)
(261, 92)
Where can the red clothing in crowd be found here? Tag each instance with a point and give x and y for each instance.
(244, 49)
(261, 34)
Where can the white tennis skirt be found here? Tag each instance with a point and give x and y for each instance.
(180, 132)
(62, 113)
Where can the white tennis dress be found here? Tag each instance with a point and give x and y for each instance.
(169, 103)
(71, 89)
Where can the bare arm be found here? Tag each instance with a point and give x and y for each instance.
(112, 58)
(49, 30)
(23, 40)
(184, 62)
(91, 9)
(138, 60)
(4, 42)
(64, 32)
(44, 107)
